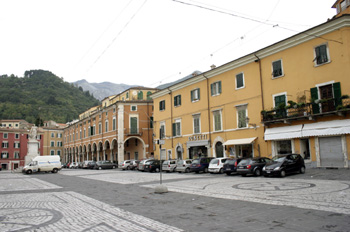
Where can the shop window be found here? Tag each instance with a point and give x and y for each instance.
(284, 147)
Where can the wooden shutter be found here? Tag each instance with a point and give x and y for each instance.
(192, 95)
(314, 96)
(219, 83)
(198, 96)
(212, 89)
(174, 129)
(337, 94)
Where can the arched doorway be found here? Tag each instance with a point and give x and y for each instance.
(219, 150)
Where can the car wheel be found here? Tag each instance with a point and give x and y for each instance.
(221, 171)
(55, 170)
(187, 170)
(283, 173)
(157, 169)
(302, 170)
(257, 172)
(29, 172)
(114, 166)
(99, 168)
(205, 170)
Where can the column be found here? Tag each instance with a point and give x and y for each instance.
(120, 134)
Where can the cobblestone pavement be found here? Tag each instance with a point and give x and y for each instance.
(115, 200)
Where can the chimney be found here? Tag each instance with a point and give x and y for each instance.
(213, 66)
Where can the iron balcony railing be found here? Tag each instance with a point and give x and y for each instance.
(306, 110)
(133, 131)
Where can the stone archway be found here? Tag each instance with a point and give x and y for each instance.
(134, 148)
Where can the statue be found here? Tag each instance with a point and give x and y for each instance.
(33, 132)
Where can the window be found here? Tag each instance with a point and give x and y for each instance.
(239, 81)
(106, 126)
(133, 108)
(59, 144)
(151, 122)
(59, 135)
(196, 124)
(162, 131)
(114, 124)
(127, 95)
(58, 152)
(16, 136)
(277, 70)
(215, 88)
(52, 135)
(280, 103)
(177, 127)
(52, 152)
(4, 155)
(241, 116)
(149, 93)
(52, 143)
(84, 132)
(195, 95)
(16, 145)
(16, 155)
(162, 105)
(217, 120)
(177, 100)
(5, 135)
(5, 144)
(140, 95)
(99, 128)
(321, 54)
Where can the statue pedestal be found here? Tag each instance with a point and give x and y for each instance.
(33, 148)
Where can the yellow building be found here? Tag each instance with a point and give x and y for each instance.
(287, 97)
(53, 138)
(117, 130)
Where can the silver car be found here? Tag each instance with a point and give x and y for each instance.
(183, 165)
(126, 165)
(169, 165)
(141, 166)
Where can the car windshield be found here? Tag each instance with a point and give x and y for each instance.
(230, 161)
(245, 162)
(279, 159)
(196, 161)
(214, 161)
(180, 162)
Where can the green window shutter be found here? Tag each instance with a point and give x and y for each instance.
(199, 95)
(314, 96)
(212, 89)
(175, 101)
(192, 97)
(179, 100)
(219, 83)
(174, 129)
(241, 119)
(151, 122)
(337, 94)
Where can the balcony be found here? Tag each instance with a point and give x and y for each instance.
(133, 131)
(302, 111)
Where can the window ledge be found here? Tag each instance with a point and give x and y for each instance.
(318, 65)
(243, 87)
(278, 76)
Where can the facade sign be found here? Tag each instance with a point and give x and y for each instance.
(197, 137)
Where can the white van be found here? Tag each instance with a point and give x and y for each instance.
(48, 163)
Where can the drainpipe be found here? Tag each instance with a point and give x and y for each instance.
(208, 106)
(171, 117)
(261, 83)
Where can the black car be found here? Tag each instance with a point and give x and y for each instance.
(200, 164)
(252, 166)
(230, 165)
(152, 166)
(285, 164)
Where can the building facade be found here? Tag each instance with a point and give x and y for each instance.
(14, 143)
(287, 97)
(117, 130)
(53, 138)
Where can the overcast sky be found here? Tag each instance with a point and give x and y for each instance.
(144, 42)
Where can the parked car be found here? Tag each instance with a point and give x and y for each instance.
(183, 165)
(141, 165)
(105, 164)
(285, 164)
(217, 165)
(230, 166)
(169, 165)
(86, 163)
(125, 165)
(73, 165)
(91, 165)
(133, 164)
(152, 166)
(252, 166)
(200, 164)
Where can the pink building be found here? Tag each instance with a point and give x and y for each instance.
(14, 142)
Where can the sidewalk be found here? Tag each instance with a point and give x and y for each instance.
(324, 174)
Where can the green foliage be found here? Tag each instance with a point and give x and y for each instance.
(40, 96)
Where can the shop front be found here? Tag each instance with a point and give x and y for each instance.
(240, 148)
(198, 146)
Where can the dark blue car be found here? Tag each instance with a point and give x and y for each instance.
(200, 164)
(230, 166)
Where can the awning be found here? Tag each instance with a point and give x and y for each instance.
(239, 141)
(335, 127)
(285, 132)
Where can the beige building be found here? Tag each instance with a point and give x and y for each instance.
(53, 138)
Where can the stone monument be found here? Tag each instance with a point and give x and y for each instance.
(33, 145)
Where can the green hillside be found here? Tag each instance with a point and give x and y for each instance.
(41, 95)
